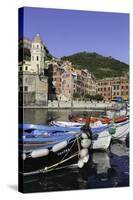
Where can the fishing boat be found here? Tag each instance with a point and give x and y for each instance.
(104, 120)
(99, 135)
(122, 130)
(52, 151)
(121, 126)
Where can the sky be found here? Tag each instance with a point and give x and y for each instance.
(65, 32)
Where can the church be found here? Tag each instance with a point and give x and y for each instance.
(33, 84)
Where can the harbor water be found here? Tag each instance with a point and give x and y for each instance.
(105, 168)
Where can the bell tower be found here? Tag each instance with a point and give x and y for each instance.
(38, 54)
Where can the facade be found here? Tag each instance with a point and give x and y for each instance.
(33, 84)
(69, 84)
(111, 88)
(54, 80)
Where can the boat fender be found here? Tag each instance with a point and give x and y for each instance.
(80, 163)
(59, 146)
(83, 153)
(112, 129)
(39, 153)
(84, 136)
(85, 143)
(23, 156)
(86, 158)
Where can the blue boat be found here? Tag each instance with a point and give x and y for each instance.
(40, 129)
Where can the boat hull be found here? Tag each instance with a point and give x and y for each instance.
(122, 129)
(49, 162)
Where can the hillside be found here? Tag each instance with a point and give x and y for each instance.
(97, 64)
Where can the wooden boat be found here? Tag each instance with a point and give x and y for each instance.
(47, 153)
(122, 130)
(99, 135)
(121, 127)
(41, 151)
(104, 120)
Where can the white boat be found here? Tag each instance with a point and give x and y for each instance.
(103, 139)
(66, 124)
(76, 124)
(122, 129)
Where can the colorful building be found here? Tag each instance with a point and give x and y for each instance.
(111, 88)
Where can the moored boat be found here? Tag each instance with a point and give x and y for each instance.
(104, 119)
(99, 134)
(122, 130)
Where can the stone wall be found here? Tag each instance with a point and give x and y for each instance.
(36, 89)
(84, 104)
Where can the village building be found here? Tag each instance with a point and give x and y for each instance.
(111, 88)
(33, 84)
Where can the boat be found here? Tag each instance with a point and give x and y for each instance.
(67, 124)
(122, 130)
(103, 119)
(99, 135)
(52, 151)
(121, 127)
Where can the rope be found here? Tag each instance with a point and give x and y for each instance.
(63, 159)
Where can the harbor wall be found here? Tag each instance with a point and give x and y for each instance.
(79, 105)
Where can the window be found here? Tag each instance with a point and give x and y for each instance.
(37, 58)
(37, 46)
(109, 89)
(25, 88)
(104, 89)
(21, 68)
(117, 93)
(122, 87)
(117, 87)
(114, 87)
(26, 68)
(114, 93)
(126, 87)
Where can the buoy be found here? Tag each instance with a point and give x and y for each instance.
(85, 143)
(80, 163)
(39, 153)
(59, 146)
(86, 158)
(84, 136)
(23, 156)
(83, 153)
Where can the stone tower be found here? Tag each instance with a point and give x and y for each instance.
(38, 54)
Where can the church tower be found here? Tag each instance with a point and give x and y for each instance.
(38, 54)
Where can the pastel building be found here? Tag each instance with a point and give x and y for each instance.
(111, 88)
